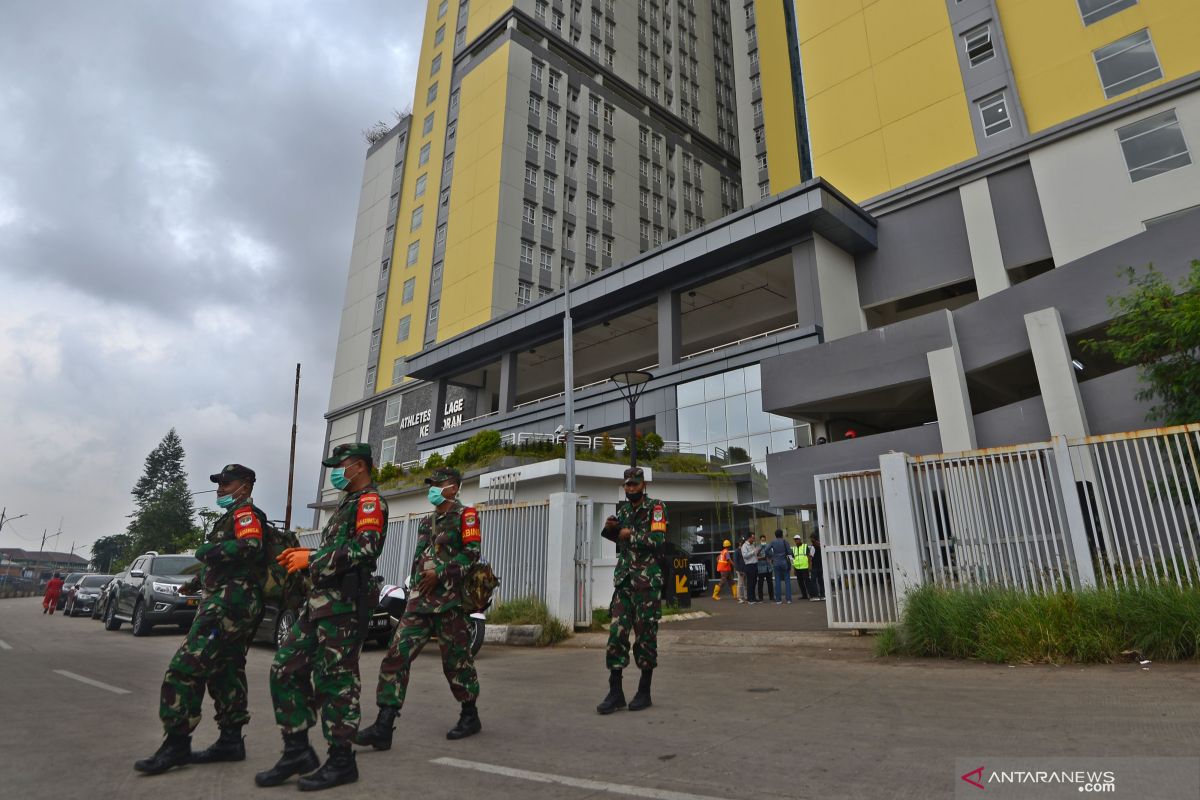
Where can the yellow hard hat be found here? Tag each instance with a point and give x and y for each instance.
(727, 543)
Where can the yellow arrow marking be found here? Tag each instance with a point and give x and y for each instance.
(681, 586)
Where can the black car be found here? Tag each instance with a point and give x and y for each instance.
(69, 583)
(100, 607)
(697, 578)
(83, 596)
(148, 594)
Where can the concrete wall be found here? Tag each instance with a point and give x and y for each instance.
(1111, 402)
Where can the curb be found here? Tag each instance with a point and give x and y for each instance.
(783, 640)
(516, 635)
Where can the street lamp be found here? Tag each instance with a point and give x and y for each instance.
(632, 384)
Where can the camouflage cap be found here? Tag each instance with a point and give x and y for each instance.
(635, 473)
(344, 451)
(232, 472)
(443, 474)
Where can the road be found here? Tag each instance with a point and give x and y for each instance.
(80, 705)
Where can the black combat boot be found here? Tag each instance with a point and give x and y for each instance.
(379, 735)
(229, 746)
(615, 698)
(642, 698)
(176, 750)
(340, 768)
(298, 758)
(468, 723)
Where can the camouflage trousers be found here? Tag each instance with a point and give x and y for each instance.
(317, 667)
(637, 611)
(454, 640)
(212, 657)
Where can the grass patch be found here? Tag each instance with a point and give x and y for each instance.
(601, 619)
(1103, 625)
(529, 611)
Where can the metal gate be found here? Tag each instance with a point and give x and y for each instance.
(856, 556)
(583, 564)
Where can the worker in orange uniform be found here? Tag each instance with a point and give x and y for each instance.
(725, 572)
(53, 589)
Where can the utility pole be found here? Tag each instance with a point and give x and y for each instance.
(287, 520)
(4, 519)
(569, 383)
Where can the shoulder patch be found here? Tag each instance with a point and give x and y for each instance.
(246, 524)
(370, 513)
(470, 525)
(658, 519)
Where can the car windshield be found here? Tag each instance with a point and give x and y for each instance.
(74, 576)
(94, 581)
(172, 565)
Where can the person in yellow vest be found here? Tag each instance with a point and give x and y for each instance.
(725, 572)
(800, 564)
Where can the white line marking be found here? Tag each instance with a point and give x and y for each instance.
(5, 645)
(578, 783)
(91, 682)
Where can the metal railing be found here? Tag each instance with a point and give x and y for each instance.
(583, 564)
(856, 554)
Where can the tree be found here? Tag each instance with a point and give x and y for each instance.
(108, 550)
(1157, 329)
(163, 516)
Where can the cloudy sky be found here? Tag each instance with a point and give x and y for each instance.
(178, 185)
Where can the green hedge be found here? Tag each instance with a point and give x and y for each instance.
(1159, 622)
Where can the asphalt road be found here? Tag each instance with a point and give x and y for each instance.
(729, 721)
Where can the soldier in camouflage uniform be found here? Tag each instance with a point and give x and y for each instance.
(448, 543)
(317, 666)
(213, 656)
(639, 529)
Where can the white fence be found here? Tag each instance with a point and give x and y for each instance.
(1118, 509)
(856, 555)
(583, 564)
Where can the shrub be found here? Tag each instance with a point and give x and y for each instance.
(607, 449)
(651, 445)
(529, 611)
(434, 461)
(388, 472)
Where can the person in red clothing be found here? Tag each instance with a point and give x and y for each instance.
(53, 589)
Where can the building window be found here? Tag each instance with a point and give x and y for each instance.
(644, 230)
(431, 320)
(379, 304)
(392, 415)
(764, 190)
(1153, 145)
(418, 215)
(440, 238)
(427, 127)
(532, 139)
(440, 36)
(447, 167)
(609, 111)
(608, 146)
(539, 10)
(552, 115)
(1127, 63)
(410, 287)
(608, 178)
(454, 100)
(544, 291)
(590, 241)
(528, 211)
(370, 379)
(547, 260)
(993, 111)
(549, 184)
(551, 149)
(547, 220)
(594, 105)
(435, 66)
(431, 95)
(524, 292)
(555, 81)
(531, 175)
(419, 190)
(535, 71)
(460, 38)
(1096, 10)
(535, 105)
(527, 253)
(978, 44)
(608, 246)
(423, 155)
(387, 450)
(762, 161)
(608, 211)
(442, 8)
(403, 329)
(414, 251)
(591, 204)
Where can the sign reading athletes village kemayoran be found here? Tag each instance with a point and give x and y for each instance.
(415, 422)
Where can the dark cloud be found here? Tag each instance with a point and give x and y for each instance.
(178, 186)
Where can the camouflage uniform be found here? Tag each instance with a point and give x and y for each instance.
(318, 663)
(213, 655)
(449, 544)
(638, 580)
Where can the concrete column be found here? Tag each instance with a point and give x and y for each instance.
(804, 276)
(956, 423)
(560, 558)
(508, 382)
(1055, 373)
(983, 238)
(907, 573)
(837, 288)
(670, 329)
(439, 403)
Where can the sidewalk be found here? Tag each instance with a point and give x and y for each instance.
(728, 614)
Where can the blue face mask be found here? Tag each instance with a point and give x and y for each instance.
(338, 478)
(435, 495)
(226, 501)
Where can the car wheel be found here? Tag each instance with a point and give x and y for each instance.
(283, 624)
(111, 623)
(141, 626)
(476, 627)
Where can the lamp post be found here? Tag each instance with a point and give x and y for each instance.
(632, 384)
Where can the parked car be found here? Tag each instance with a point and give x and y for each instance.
(393, 599)
(697, 578)
(278, 619)
(100, 607)
(69, 583)
(82, 596)
(149, 594)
